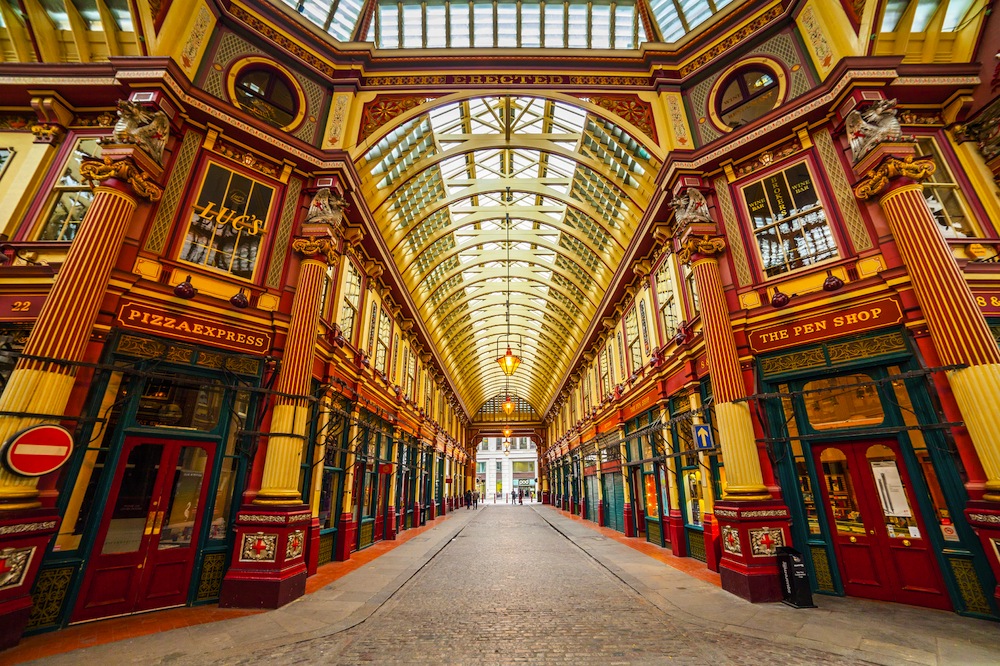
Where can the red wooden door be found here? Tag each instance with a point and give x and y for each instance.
(146, 544)
(878, 532)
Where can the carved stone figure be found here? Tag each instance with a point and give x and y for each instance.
(690, 208)
(876, 124)
(327, 207)
(145, 128)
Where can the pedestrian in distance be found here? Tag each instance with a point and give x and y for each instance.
(468, 499)
(520, 497)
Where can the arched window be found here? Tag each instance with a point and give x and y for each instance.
(267, 94)
(747, 94)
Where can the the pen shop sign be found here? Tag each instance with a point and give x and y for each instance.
(857, 319)
(139, 317)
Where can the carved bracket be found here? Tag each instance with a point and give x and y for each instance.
(876, 180)
(705, 246)
(312, 247)
(124, 170)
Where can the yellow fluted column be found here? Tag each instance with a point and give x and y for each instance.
(43, 378)
(628, 512)
(290, 417)
(744, 479)
(956, 325)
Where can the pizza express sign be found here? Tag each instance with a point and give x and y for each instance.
(867, 317)
(143, 318)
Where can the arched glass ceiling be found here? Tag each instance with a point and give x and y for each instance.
(448, 189)
(594, 24)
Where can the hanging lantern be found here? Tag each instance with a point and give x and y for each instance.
(508, 406)
(509, 362)
(507, 431)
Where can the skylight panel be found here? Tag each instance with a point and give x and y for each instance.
(345, 19)
(554, 26)
(576, 27)
(601, 27)
(957, 9)
(507, 25)
(531, 28)
(695, 11)
(482, 25)
(458, 18)
(665, 13)
(437, 20)
(413, 27)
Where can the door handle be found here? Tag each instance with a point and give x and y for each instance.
(150, 519)
(158, 522)
(906, 542)
(872, 532)
(853, 539)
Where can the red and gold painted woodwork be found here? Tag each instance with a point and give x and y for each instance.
(270, 582)
(955, 322)
(38, 385)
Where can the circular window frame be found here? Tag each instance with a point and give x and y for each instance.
(245, 64)
(769, 65)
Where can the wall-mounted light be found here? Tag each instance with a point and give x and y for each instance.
(239, 299)
(832, 282)
(185, 289)
(779, 299)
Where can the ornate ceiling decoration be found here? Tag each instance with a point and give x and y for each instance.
(448, 187)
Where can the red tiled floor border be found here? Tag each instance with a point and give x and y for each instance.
(132, 626)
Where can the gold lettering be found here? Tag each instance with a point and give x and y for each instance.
(183, 326)
(134, 314)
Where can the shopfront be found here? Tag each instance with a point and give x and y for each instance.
(151, 492)
(871, 475)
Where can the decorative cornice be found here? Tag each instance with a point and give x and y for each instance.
(876, 180)
(124, 170)
(704, 246)
(311, 247)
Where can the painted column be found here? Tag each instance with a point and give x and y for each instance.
(66, 321)
(42, 387)
(268, 567)
(737, 440)
(956, 325)
(346, 526)
(628, 517)
(754, 523)
(709, 523)
(600, 482)
(675, 517)
(393, 456)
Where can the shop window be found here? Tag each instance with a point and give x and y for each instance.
(632, 341)
(652, 503)
(897, 514)
(621, 356)
(225, 490)
(6, 157)
(944, 196)
(267, 94)
(371, 329)
(352, 301)
(395, 358)
(666, 299)
(71, 194)
(848, 401)
(692, 287)
(382, 343)
(228, 222)
(844, 504)
(746, 95)
(166, 403)
(789, 223)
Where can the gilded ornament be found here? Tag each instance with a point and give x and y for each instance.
(317, 246)
(876, 180)
(690, 208)
(876, 124)
(47, 133)
(149, 130)
(704, 246)
(124, 170)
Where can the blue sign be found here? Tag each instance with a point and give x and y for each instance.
(702, 436)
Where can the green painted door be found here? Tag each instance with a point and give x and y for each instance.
(614, 501)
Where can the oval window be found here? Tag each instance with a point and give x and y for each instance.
(747, 94)
(268, 95)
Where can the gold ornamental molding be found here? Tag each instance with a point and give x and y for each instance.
(705, 246)
(48, 133)
(311, 247)
(876, 180)
(124, 170)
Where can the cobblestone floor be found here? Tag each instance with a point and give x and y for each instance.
(510, 589)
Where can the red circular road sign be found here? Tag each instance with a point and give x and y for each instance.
(38, 450)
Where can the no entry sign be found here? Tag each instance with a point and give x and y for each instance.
(38, 450)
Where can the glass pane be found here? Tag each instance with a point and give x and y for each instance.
(132, 506)
(897, 515)
(166, 404)
(695, 497)
(66, 216)
(185, 492)
(849, 401)
(652, 507)
(843, 502)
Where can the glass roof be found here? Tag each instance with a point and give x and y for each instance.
(499, 195)
(567, 24)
